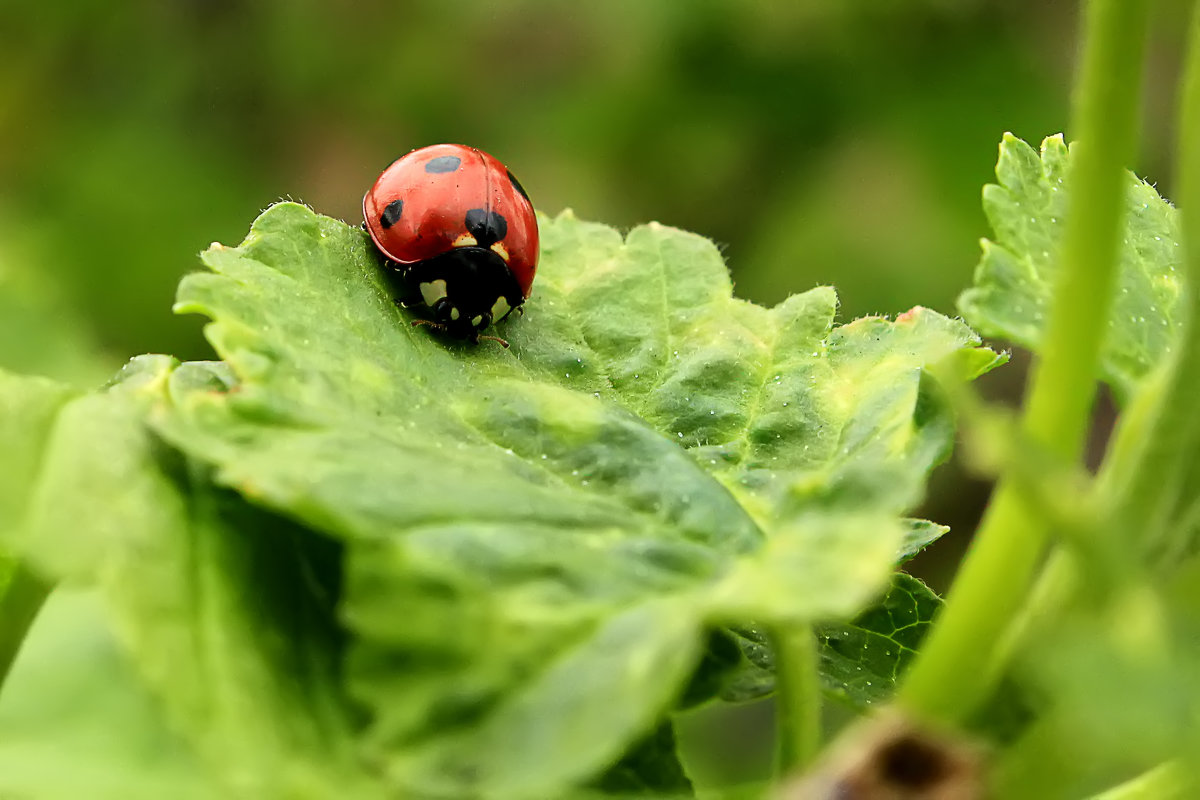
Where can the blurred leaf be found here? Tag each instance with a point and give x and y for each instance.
(755, 677)
(544, 547)
(27, 410)
(78, 722)
(8, 567)
(722, 662)
(224, 610)
(919, 534)
(1114, 690)
(1015, 278)
(631, 668)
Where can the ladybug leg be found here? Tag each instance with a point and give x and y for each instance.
(409, 299)
(442, 328)
(412, 291)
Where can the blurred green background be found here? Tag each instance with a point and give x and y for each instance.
(817, 141)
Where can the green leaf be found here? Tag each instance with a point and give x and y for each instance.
(1015, 277)
(861, 660)
(650, 768)
(755, 676)
(519, 523)
(225, 611)
(78, 722)
(764, 398)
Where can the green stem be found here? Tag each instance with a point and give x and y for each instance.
(1149, 469)
(1173, 441)
(1140, 484)
(798, 698)
(1145, 478)
(22, 599)
(957, 665)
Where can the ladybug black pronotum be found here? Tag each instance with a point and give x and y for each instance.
(460, 230)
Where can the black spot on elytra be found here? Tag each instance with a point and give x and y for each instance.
(391, 214)
(443, 164)
(487, 227)
(517, 185)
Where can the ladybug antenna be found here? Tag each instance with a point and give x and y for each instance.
(437, 326)
(503, 343)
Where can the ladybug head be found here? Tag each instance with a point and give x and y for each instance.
(467, 289)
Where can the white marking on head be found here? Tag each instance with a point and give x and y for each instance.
(500, 308)
(465, 240)
(433, 291)
(454, 313)
(501, 251)
(477, 320)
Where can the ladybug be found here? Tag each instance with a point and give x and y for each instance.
(460, 230)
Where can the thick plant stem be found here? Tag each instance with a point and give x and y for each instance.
(1156, 476)
(19, 604)
(798, 698)
(958, 664)
(1148, 471)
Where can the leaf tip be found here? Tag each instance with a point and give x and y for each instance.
(910, 316)
(1053, 146)
(284, 209)
(186, 307)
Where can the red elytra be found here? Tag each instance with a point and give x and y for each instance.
(460, 229)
